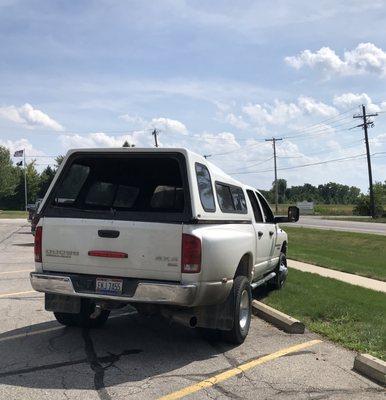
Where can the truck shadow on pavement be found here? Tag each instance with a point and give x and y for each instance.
(129, 348)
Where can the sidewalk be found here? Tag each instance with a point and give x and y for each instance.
(340, 276)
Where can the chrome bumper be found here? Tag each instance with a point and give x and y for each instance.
(146, 292)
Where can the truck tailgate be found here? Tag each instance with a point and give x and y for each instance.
(151, 250)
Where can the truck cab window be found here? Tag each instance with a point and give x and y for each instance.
(205, 188)
(268, 214)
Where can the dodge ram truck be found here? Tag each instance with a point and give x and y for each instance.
(161, 229)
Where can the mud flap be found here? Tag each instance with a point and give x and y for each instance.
(62, 303)
(218, 316)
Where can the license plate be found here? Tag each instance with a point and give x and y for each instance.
(108, 286)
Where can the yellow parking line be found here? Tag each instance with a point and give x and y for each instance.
(15, 272)
(16, 293)
(236, 371)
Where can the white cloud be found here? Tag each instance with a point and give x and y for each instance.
(236, 121)
(169, 125)
(349, 100)
(281, 112)
(365, 58)
(311, 106)
(29, 117)
(134, 120)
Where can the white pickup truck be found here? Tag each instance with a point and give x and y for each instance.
(161, 229)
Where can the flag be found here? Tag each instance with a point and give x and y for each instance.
(18, 153)
(19, 164)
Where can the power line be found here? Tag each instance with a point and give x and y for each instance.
(306, 165)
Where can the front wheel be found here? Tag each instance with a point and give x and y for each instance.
(242, 311)
(281, 273)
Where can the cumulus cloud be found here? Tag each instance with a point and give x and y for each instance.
(349, 100)
(168, 124)
(236, 120)
(365, 58)
(281, 112)
(29, 117)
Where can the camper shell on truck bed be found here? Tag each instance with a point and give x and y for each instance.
(157, 228)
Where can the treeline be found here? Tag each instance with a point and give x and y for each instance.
(12, 181)
(328, 193)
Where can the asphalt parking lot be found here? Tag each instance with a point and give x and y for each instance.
(147, 358)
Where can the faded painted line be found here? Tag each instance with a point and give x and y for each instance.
(16, 272)
(17, 293)
(214, 380)
(54, 328)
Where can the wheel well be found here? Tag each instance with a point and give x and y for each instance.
(245, 266)
(284, 248)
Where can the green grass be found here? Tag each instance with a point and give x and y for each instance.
(320, 209)
(356, 253)
(346, 314)
(13, 214)
(361, 219)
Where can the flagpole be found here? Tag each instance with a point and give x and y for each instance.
(25, 181)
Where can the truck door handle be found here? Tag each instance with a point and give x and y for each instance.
(108, 233)
(271, 233)
(260, 234)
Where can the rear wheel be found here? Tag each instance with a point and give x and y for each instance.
(83, 318)
(242, 311)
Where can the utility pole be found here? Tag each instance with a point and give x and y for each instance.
(155, 133)
(25, 181)
(365, 124)
(274, 140)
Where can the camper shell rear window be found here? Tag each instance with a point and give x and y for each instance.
(135, 186)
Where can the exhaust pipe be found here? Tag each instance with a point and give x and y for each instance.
(182, 318)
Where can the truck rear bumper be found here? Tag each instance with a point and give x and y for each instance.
(145, 292)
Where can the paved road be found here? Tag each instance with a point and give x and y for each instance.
(348, 226)
(136, 357)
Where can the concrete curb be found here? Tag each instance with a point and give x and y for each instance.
(371, 367)
(277, 318)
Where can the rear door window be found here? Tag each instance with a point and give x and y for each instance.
(205, 188)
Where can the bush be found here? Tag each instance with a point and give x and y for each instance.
(362, 206)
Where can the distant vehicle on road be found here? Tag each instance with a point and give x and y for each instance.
(33, 217)
(161, 229)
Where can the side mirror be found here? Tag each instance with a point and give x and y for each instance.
(293, 215)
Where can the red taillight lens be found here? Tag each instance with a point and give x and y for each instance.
(191, 254)
(38, 243)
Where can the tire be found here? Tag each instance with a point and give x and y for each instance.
(82, 319)
(242, 311)
(278, 281)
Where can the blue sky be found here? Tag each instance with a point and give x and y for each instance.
(216, 77)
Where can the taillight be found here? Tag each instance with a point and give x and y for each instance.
(38, 243)
(191, 254)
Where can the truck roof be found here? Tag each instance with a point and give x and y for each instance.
(220, 174)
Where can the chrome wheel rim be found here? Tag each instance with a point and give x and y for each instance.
(244, 309)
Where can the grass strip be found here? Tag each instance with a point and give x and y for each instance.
(356, 253)
(13, 214)
(346, 314)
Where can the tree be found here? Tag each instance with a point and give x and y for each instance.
(58, 160)
(8, 178)
(46, 178)
(127, 144)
